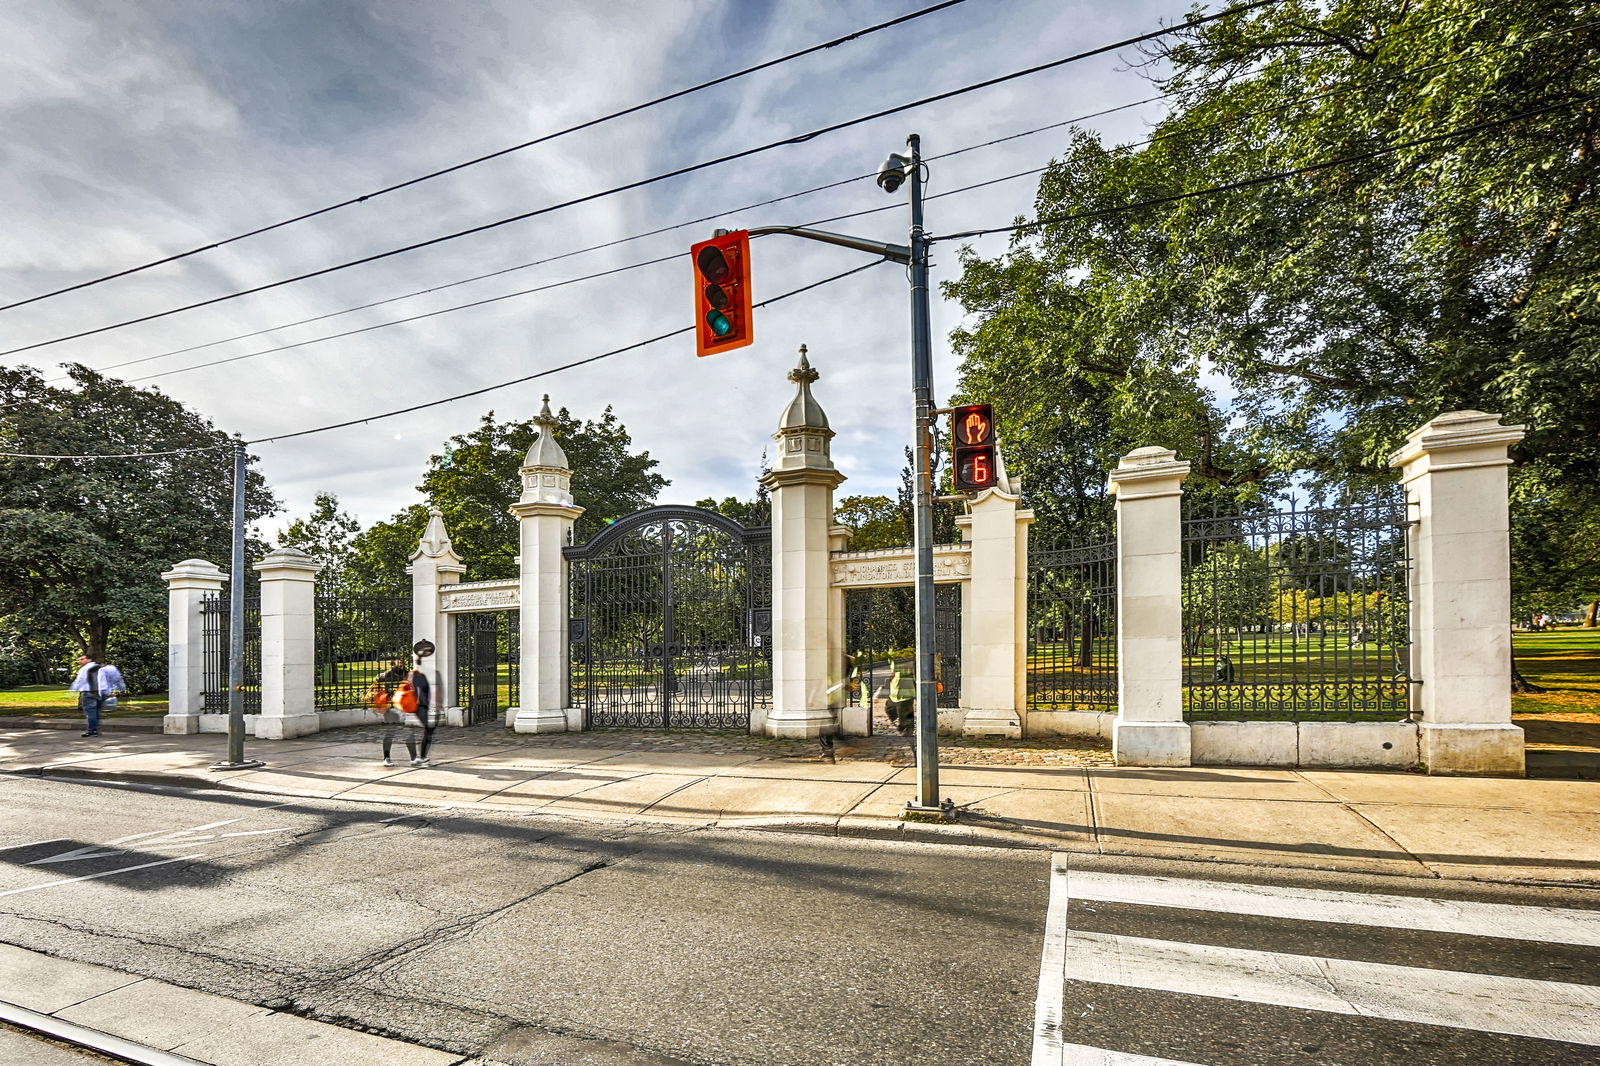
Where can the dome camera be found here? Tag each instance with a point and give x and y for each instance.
(892, 174)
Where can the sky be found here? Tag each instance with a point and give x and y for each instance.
(139, 129)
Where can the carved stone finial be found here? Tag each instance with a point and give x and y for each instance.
(803, 374)
(545, 418)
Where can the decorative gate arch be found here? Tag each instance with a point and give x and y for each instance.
(671, 622)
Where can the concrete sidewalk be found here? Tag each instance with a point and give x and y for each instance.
(1517, 830)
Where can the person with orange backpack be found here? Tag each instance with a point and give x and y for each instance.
(383, 697)
(412, 697)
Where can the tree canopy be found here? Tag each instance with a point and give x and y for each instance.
(1308, 323)
(474, 481)
(83, 543)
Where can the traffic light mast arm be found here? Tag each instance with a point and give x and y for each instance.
(899, 253)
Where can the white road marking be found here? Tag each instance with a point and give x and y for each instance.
(1547, 1010)
(91, 877)
(1048, 1047)
(34, 844)
(1550, 925)
(1083, 1055)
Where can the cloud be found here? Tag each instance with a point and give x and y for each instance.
(144, 128)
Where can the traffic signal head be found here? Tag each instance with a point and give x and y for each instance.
(973, 454)
(722, 293)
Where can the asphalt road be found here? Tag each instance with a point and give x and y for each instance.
(536, 940)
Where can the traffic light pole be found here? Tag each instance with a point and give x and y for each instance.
(916, 256)
(922, 475)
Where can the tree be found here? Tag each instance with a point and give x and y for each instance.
(83, 543)
(878, 521)
(474, 481)
(325, 535)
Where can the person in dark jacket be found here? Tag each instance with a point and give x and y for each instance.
(424, 716)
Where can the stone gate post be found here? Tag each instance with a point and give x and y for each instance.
(188, 583)
(1454, 473)
(545, 514)
(434, 566)
(288, 644)
(994, 618)
(802, 480)
(1150, 731)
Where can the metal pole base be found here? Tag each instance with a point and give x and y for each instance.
(916, 812)
(248, 764)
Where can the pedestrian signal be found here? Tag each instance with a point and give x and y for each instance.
(722, 293)
(972, 436)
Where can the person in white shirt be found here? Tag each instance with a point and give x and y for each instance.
(96, 686)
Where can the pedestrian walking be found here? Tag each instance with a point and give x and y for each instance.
(96, 685)
(901, 702)
(383, 697)
(422, 716)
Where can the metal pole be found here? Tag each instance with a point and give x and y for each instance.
(236, 759)
(922, 477)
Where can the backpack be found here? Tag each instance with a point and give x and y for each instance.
(405, 698)
(378, 697)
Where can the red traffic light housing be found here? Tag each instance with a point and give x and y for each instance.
(975, 466)
(722, 293)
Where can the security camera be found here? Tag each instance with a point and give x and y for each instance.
(892, 174)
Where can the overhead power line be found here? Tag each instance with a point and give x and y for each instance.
(555, 369)
(1183, 132)
(1263, 179)
(641, 183)
(364, 197)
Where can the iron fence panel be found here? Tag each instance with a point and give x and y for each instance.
(1297, 615)
(1072, 617)
(356, 639)
(215, 627)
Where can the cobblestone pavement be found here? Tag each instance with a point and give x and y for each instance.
(953, 751)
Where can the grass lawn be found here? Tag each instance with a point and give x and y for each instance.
(54, 701)
(1565, 661)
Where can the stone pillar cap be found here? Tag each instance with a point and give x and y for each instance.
(1457, 429)
(289, 559)
(545, 453)
(195, 569)
(1150, 463)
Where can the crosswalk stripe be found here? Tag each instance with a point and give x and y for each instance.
(1048, 1048)
(1550, 925)
(1548, 1010)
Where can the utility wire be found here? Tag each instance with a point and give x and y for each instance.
(1183, 132)
(1264, 179)
(554, 369)
(641, 183)
(858, 34)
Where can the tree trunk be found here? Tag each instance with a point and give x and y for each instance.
(1086, 646)
(1520, 684)
(1589, 619)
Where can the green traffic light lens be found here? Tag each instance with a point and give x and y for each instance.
(719, 323)
(717, 297)
(713, 265)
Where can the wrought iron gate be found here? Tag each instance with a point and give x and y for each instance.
(880, 626)
(214, 627)
(671, 621)
(488, 645)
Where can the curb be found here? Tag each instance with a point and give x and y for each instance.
(93, 1039)
(107, 725)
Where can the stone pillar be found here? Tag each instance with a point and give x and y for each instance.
(994, 615)
(188, 583)
(854, 719)
(545, 513)
(802, 480)
(435, 565)
(288, 644)
(1150, 731)
(1454, 473)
